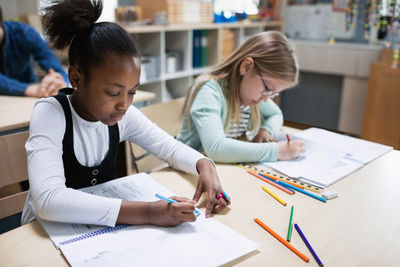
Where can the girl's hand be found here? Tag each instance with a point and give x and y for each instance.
(263, 136)
(162, 213)
(289, 150)
(208, 182)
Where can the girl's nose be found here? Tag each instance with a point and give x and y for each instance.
(124, 103)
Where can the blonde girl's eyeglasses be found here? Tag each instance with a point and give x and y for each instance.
(267, 92)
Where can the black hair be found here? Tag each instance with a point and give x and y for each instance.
(1, 15)
(73, 22)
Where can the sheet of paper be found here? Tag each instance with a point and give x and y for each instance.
(319, 165)
(205, 242)
(329, 156)
(139, 187)
(353, 148)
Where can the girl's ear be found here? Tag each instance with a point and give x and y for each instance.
(246, 65)
(74, 77)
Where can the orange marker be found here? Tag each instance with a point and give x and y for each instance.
(271, 183)
(283, 180)
(282, 240)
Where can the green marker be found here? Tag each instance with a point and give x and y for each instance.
(289, 232)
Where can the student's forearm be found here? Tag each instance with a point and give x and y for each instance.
(134, 212)
(9, 86)
(204, 165)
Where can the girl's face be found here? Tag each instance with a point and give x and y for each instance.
(256, 87)
(107, 94)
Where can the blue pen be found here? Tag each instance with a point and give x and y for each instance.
(301, 191)
(196, 210)
(308, 245)
(272, 180)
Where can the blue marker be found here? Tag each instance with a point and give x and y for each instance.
(196, 210)
(301, 191)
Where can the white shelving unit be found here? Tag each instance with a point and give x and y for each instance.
(156, 41)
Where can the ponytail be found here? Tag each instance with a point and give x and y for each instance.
(73, 23)
(65, 19)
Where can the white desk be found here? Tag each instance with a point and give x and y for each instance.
(359, 228)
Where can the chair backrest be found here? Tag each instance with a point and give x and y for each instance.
(168, 116)
(13, 170)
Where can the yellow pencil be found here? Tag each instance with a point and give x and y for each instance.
(273, 195)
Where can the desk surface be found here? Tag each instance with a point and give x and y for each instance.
(359, 228)
(16, 110)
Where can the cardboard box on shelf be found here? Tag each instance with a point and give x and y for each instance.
(178, 11)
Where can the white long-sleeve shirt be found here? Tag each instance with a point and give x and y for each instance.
(48, 196)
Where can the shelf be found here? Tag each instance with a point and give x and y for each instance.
(175, 75)
(149, 81)
(200, 26)
(198, 71)
(167, 52)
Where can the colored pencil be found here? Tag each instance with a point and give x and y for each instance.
(281, 179)
(308, 245)
(273, 195)
(282, 240)
(271, 183)
(225, 195)
(302, 191)
(288, 138)
(272, 180)
(290, 228)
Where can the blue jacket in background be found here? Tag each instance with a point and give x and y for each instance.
(22, 43)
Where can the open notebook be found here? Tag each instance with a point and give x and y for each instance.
(205, 242)
(329, 156)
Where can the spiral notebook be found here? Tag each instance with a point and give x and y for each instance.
(329, 156)
(93, 234)
(146, 245)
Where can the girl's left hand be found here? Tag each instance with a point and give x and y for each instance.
(209, 183)
(263, 136)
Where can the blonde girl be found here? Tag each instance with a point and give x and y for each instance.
(229, 113)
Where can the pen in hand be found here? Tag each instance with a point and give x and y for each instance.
(169, 200)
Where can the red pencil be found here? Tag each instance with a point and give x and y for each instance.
(271, 183)
(288, 138)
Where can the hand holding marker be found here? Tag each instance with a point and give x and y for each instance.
(169, 200)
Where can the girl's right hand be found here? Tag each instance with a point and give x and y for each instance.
(289, 150)
(162, 213)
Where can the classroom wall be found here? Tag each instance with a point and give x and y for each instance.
(15, 8)
(314, 101)
(126, 2)
(108, 13)
(319, 21)
(10, 9)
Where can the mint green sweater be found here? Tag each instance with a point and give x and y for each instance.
(206, 132)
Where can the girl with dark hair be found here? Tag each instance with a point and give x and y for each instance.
(74, 137)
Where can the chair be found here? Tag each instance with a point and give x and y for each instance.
(13, 170)
(168, 116)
